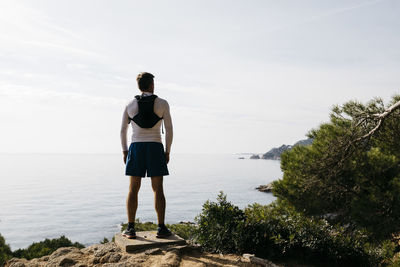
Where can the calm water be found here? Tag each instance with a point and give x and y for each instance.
(83, 196)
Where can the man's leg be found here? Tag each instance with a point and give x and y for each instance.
(159, 198)
(132, 199)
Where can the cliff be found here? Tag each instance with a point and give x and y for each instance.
(110, 254)
(275, 153)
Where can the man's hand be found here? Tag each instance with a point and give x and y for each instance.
(125, 155)
(167, 156)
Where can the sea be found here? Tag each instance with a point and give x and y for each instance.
(83, 196)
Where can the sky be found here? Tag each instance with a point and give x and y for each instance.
(240, 76)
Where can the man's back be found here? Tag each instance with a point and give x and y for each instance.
(161, 109)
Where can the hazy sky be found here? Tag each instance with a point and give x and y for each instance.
(240, 76)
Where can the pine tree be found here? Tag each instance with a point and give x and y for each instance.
(352, 169)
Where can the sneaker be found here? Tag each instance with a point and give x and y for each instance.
(129, 233)
(163, 231)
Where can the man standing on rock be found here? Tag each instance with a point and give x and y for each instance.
(146, 154)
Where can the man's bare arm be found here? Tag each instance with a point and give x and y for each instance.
(124, 130)
(168, 131)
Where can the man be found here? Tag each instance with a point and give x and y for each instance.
(146, 152)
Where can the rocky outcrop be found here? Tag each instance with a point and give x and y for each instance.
(265, 188)
(255, 156)
(275, 153)
(110, 254)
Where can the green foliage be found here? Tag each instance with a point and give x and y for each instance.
(395, 263)
(104, 241)
(219, 226)
(5, 251)
(277, 231)
(184, 230)
(139, 226)
(357, 180)
(46, 247)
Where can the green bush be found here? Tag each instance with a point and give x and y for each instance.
(139, 226)
(46, 247)
(104, 241)
(184, 230)
(5, 251)
(220, 226)
(277, 231)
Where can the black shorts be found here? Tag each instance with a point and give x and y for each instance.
(146, 157)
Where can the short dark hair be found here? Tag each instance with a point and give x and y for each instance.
(144, 80)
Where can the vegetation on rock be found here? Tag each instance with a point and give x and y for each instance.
(5, 251)
(45, 247)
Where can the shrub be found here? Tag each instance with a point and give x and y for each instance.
(277, 231)
(46, 247)
(184, 230)
(219, 226)
(5, 251)
(104, 241)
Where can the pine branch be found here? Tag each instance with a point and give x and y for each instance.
(381, 117)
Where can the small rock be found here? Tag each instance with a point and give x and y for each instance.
(45, 258)
(95, 260)
(111, 257)
(171, 258)
(114, 257)
(104, 259)
(105, 248)
(125, 257)
(66, 261)
(60, 252)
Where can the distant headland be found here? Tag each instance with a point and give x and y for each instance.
(276, 152)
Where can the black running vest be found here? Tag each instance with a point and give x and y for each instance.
(146, 118)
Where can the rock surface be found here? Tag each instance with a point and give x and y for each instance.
(146, 240)
(110, 254)
(275, 153)
(255, 156)
(265, 188)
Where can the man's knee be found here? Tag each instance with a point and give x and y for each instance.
(157, 184)
(134, 190)
(134, 185)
